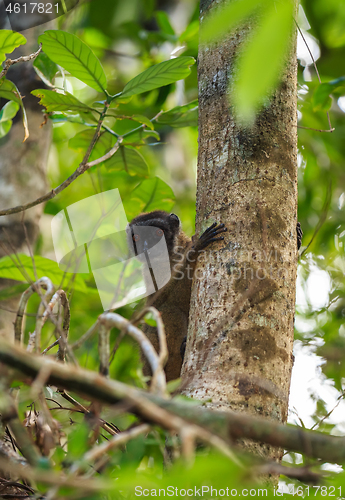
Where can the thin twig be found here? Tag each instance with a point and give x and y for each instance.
(85, 337)
(316, 129)
(18, 324)
(322, 218)
(55, 478)
(163, 348)
(111, 320)
(83, 167)
(47, 349)
(303, 474)
(63, 344)
(227, 425)
(9, 62)
(99, 451)
(331, 129)
(42, 315)
(9, 416)
(107, 426)
(104, 348)
(54, 192)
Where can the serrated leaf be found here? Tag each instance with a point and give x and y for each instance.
(54, 101)
(181, 116)
(261, 61)
(75, 56)
(45, 68)
(9, 91)
(9, 40)
(8, 112)
(159, 75)
(151, 194)
(130, 160)
(44, 267)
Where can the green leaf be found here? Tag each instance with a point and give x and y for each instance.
(45, 68)
(260, 65)
(9, 91)
(181, 116)
(321, 98)
(5, 127)
(8, 112)
(159, 75)
(54, 101)
(190, 32)
(130, 160)
(78, 440)
(75, 56)
(9, 40)
(44, 267)
(151, 194)
(144, 120)
(164, 22)
(81, 141)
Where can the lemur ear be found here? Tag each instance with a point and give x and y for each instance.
(175, 221)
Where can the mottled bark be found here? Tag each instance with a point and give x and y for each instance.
(22, 167)
(239, 350)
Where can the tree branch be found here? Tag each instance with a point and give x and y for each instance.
(10, 62)
(83, 167)
(169, 414)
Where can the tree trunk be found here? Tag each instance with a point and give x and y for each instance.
(22, 169)
(240, 339)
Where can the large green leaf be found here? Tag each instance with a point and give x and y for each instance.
(159, 75)
(151, 194)
(54, 101)
(9, 91)
(43, 266)
(261, 62)
(8, 112)
(75, 56)
(9, 40)
(181, 116)
(130, 160)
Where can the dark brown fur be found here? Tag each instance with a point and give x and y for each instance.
(173, 300)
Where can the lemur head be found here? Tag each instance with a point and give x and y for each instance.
(159, 224)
